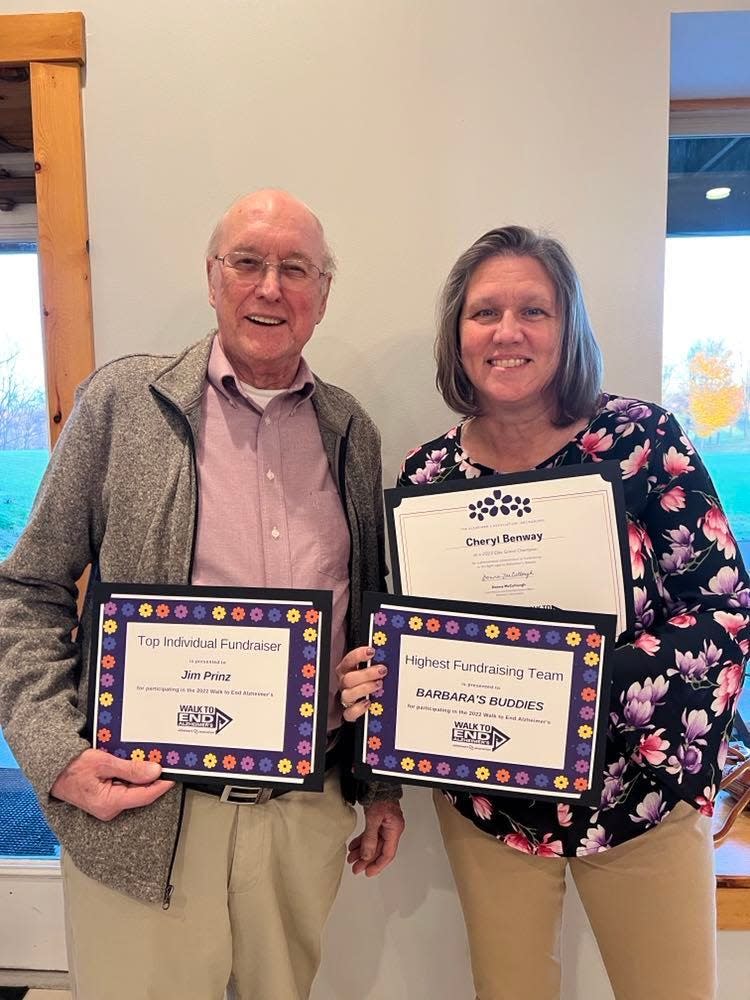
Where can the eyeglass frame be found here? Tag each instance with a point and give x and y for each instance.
(266, 264)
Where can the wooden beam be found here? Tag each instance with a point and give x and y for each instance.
(712, 104)
(50, 37)
(63, 234)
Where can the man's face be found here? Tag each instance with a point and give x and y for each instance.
(264, 326)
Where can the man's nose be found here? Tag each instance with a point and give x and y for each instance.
(268, 286)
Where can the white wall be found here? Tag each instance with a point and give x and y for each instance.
(411, 126)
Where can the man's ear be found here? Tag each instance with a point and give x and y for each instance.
(209, 270)
(324, 299)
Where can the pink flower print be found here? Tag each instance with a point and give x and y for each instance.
(304, 747)
(731, 623)
(549, 848)
(256, 614)
(180, 611)
(705, 802)
(380, 619)
(651, 811)
(641, 700)
(639, 544)
(682, 621)
(636, 460)
(247, 763)
(172, 756)
(675, 464)
(432, 468)
(443, 769)
(594, 442)
(728, 688)
(651, 748)
(716, 529)
(482, 807)
(586, 713)
(107, 680)
(564, 815)
(519, 842)
(110, 608)
(307, 690)
(673, 499)
(452, 627)
(648, 643)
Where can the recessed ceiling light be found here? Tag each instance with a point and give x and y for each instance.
(716, 194)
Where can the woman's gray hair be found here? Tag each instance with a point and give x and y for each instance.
(577, 381)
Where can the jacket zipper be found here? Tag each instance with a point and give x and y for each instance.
(169, 888)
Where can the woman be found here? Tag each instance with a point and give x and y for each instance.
(516, 356)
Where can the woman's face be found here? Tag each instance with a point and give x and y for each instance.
(510, 333)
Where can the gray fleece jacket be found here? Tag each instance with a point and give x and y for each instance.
(120, 494)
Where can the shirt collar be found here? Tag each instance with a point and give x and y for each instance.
(223, 378)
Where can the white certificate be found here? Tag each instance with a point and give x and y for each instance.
(552, 538)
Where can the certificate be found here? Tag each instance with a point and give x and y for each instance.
(215, 684)
(552, 538)
(487, 699)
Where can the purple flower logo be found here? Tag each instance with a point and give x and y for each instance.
(522, 778)
(304, 747)
(398, 621)
(552, 637)
(307, 690)
(589, 676)
(128, 609)
(380, 655)
(105, 717)
(107, 680)
(256, 615)
(462, 771)
(380, 618)
(173, 757)
(372, 759)
(199, 612)
(110, 608)
(443, 769)
(583, 749)
(309, 652)
(586, 713)
(265, 763)
(390, 762)
(452, 627)
(305, 729)
(109, 642)
(375, 725)
(122, 754)
(533, 635)
(247, 763)
(582, 766)
(541, 781)
(180, 611)
(191, 759)
(471, 628)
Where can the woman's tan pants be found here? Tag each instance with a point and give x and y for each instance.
(650, 902)
(253, 887)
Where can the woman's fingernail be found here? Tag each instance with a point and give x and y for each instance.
(382, 671)
(370, 651)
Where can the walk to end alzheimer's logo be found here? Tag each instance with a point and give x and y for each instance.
(201, 719)
(478, 734)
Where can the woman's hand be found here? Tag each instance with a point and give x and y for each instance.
(355, 685)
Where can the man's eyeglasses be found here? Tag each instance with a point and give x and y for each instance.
(292, 273)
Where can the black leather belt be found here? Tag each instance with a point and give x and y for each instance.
(251, 795)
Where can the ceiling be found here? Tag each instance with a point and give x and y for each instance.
(17, 185)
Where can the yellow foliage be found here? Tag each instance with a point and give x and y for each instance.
(715, 398)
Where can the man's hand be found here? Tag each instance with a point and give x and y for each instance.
(103, 785)
(356, 686)
(375, 848)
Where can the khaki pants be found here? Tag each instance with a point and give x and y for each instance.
(650, 901)
(253, 887)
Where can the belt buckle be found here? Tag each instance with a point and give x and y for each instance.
(240, 795)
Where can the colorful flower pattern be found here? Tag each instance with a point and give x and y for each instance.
(676, 685)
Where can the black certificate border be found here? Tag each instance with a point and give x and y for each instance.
(102, 593)
(608, 471)
(603, 624)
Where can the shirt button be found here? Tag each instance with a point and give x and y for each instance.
(270, 475)
(275, 533)
(268, 421)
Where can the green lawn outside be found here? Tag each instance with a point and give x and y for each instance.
(20, 475)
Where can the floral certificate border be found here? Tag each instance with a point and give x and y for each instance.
(588, 637)
(304, 614)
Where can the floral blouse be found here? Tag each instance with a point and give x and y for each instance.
(675, 687)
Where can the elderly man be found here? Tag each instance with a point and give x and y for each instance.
(230, 464)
